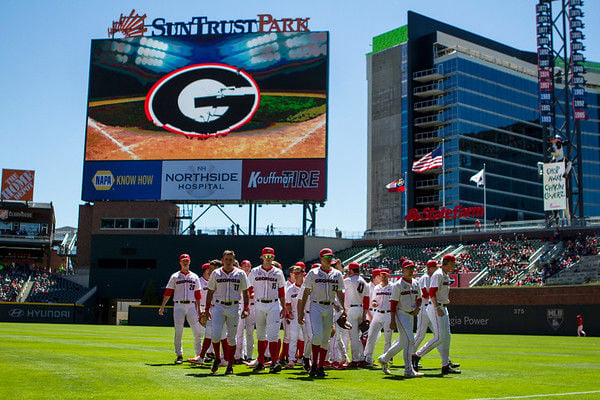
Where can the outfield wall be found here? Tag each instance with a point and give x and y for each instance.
(534, 310)
(41, 312)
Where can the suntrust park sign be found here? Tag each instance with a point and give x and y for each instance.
(134, 25)
(431, 214)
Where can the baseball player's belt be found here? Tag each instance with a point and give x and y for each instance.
(383, 312)
(325, 303)
(184, 301)
(227, 303)
(265, 301)
(355, 305)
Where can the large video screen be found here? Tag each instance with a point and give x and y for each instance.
(213, 117)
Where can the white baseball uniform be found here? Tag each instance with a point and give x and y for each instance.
(286, 327)
(268, 286)
(324, 287)
(296, 331)
(209, 323)
(307, 327)
(245, 342)
(356, 292)
(381, 320)
(227, 287)
(184, 287)
(405, 295)
(440, 325)
(423, 321)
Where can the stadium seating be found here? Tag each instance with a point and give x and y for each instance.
(12, 280)
(52, 288)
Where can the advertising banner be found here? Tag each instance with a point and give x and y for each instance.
(246, 96)
(284, 179)
(17, 184)
(201, 180)
(121, 180)
(555, 187)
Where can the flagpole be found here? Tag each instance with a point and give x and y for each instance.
(484, 199)
(443, 186)
(405, 199)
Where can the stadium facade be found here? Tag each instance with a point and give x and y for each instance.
(431, 84)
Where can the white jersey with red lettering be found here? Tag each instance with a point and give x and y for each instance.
(324, 285)
(381, 295)
(406, 294)
(266, 283)
(441, 281)
(424, 285)
(292, 296)
(356, 290)
(227, 286)
(184, 286)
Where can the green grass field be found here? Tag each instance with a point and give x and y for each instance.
(44, 361)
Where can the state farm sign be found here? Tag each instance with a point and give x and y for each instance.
(432, 214)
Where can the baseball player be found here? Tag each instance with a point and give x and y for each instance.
(207, 269)
(224, 286)
(375, 280)
(292, 296)
(580, 331)
(423, 321)
(337, 348)
(283, 357)
(245, 344)
(357, 303)
(439, 288)
(405, 303)
(322, 284)
(268, 285)
(184, 285)
(381, 317)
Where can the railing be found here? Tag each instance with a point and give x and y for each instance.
(427, 183)
(434, 87)
(437, 70)
(427, 135)
(430, 120)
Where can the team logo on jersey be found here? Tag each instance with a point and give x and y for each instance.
(103, 180)
(554, 316)
(16, 313)
(203, 100)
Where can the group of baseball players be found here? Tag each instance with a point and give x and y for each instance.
(324, 311)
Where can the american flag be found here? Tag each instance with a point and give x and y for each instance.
(429, 161)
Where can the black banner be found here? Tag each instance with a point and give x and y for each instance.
(557, 320)
(148, 316)
(37, 312)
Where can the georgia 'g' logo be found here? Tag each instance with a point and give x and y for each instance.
(203, 100)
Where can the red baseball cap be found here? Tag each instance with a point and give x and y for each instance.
(246, 262)
(315, 265)
(385, 271)
(376, 272)
(325, 252)
(184, 257)
(431, 264)
(205, 265)
(268, 250)
(301, 264)
(354, 265)
(449, 257)
(406, 262)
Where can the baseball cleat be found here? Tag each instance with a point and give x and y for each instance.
(321, 373)
(275, 367)
(196, 360)
(447, 369)
(229, 370)
(215, 365)
(415, 362)
(313, 371)
(179, 360)
(412, 374)
(384, 365)
(306, 365)
(253, 363)
(291, 364)
(453, 365)
(259, 367)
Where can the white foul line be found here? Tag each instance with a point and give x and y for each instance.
(95, 125)
(300, 139)
(536, 395)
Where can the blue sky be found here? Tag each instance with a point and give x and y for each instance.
(44, 53)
